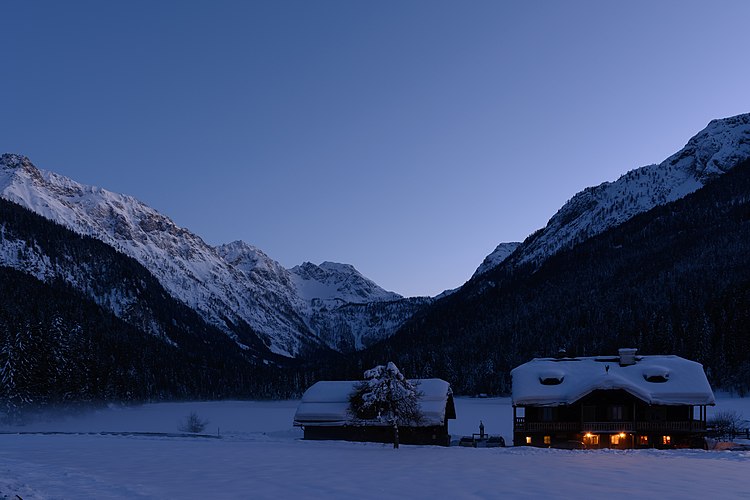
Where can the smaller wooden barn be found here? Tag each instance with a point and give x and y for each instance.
(323, 413)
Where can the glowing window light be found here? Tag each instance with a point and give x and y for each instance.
(590, 438)
(547, 439)
(666, 439)
(528, 439)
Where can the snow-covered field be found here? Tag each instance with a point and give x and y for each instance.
(260, 455)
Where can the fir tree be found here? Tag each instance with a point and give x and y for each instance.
(386, 396)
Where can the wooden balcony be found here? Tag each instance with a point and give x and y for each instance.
(640, 426)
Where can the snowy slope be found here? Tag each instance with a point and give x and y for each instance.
(501, 252)
(229, 286)
(710, 153)
(122, 298)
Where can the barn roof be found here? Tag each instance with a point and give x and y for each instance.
(326, 403)
(663, 380)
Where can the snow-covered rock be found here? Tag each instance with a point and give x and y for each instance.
(228, 286)
(501, 252)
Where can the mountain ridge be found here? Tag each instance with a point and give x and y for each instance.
(723, 143)
(252, 289)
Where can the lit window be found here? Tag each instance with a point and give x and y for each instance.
(590, 439)
(666, 440)
(643, 440)
(547, 439)
(528, 439)
(617, 438)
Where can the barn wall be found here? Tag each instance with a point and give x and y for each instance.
(432, 435)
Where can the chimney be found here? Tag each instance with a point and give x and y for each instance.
(627, 356)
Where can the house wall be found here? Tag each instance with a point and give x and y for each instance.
(613, 417)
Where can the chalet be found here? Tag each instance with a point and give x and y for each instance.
(324, 413)
(624, 401)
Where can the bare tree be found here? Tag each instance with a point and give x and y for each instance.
(726, 424)
(193, 423)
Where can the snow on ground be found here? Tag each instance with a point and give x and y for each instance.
(261, 456)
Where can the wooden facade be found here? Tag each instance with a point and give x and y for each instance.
(431, 434)
(610, 419)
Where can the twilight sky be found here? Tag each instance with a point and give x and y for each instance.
(407, 137)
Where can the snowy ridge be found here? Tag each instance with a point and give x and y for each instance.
(710, 153)
(498, 256)
(230, 285)
(185, 265)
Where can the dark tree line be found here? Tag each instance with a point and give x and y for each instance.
(56, 346)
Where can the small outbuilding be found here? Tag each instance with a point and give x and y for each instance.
(324, 413)
(624, 401)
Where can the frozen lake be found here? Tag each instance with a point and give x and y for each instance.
(260, 455)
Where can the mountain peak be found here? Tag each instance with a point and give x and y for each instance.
(721, 145)
(501, 252)
(715, 149)
(13, 164)
(12, 160)
(332, 280)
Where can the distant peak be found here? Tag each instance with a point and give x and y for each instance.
(336, 266)
(741, 119)
(12, 160)
(497, 257)
(239, 245)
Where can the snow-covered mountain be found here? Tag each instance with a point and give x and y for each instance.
(343, 309)
(229, 286)
(338, 282)
(710, 153)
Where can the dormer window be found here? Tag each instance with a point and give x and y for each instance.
(656, 374)
(551, 377)
(550, 380)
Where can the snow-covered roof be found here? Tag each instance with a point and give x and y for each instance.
(663, 380)
(326, 403)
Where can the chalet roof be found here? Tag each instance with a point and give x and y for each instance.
(663, 380)
(326, 403)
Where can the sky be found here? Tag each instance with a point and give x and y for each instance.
(407, 138)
